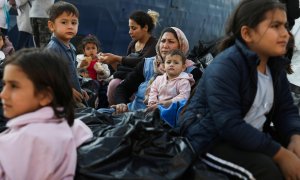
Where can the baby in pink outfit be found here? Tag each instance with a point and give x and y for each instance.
(174, 85)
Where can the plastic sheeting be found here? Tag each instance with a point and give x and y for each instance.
(136, 145)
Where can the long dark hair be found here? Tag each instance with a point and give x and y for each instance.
(48, 72)
(142, 18)
(248, 13)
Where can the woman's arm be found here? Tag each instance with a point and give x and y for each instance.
(130, 84)
(148, 51)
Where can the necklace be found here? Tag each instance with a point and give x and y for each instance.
(139, 47)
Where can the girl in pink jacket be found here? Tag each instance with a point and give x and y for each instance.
(42, 136)
(174, 85)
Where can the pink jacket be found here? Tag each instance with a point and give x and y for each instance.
(38, 146)
(176, 89)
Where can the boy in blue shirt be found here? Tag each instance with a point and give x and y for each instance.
(63, 23)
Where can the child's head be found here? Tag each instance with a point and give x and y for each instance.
(34, 78)
(90, 46)
(174, 63)
(83, 72)
(253, 21)
(63, 20)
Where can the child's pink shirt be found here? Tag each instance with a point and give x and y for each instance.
(176, 89)
(38, 146)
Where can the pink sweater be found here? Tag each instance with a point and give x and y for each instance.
(176, 89)
(38, 146)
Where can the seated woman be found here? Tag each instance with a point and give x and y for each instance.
(242, 118)
(136, 82)
(141, 25)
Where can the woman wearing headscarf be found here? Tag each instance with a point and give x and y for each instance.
(137, 81)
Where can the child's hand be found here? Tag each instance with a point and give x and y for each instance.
(165, 103)
(85, 62)
(85, 95)
(151, 107)
(77, 96)
(294, 145)
(289, 163)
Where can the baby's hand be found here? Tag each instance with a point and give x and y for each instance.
(151, 107)
(166, 103)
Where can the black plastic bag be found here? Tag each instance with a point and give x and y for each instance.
(134, 145)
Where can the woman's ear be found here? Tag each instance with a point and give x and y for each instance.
(45, 97)
(246, 34)
(146, 28)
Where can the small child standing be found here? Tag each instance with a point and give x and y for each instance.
(63, 22)
(97, 70)
(174, 85)
(37, 100)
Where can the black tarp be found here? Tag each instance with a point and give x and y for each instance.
(136, 145)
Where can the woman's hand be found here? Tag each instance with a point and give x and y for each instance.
(289, 164)
(120, 108)
(109, 58)
(294, 145)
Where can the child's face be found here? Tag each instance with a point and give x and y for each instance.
(18, 95)
(64, 27)
(1, 42)
(270, 37)
(90, 50)
(174, 66)
(85, 74)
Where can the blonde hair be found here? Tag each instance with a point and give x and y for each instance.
(142, 18)
(154, 16)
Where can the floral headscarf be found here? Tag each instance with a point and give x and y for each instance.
(183, 42)
(183, 46)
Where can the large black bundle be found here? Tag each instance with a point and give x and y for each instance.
(136, 145)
